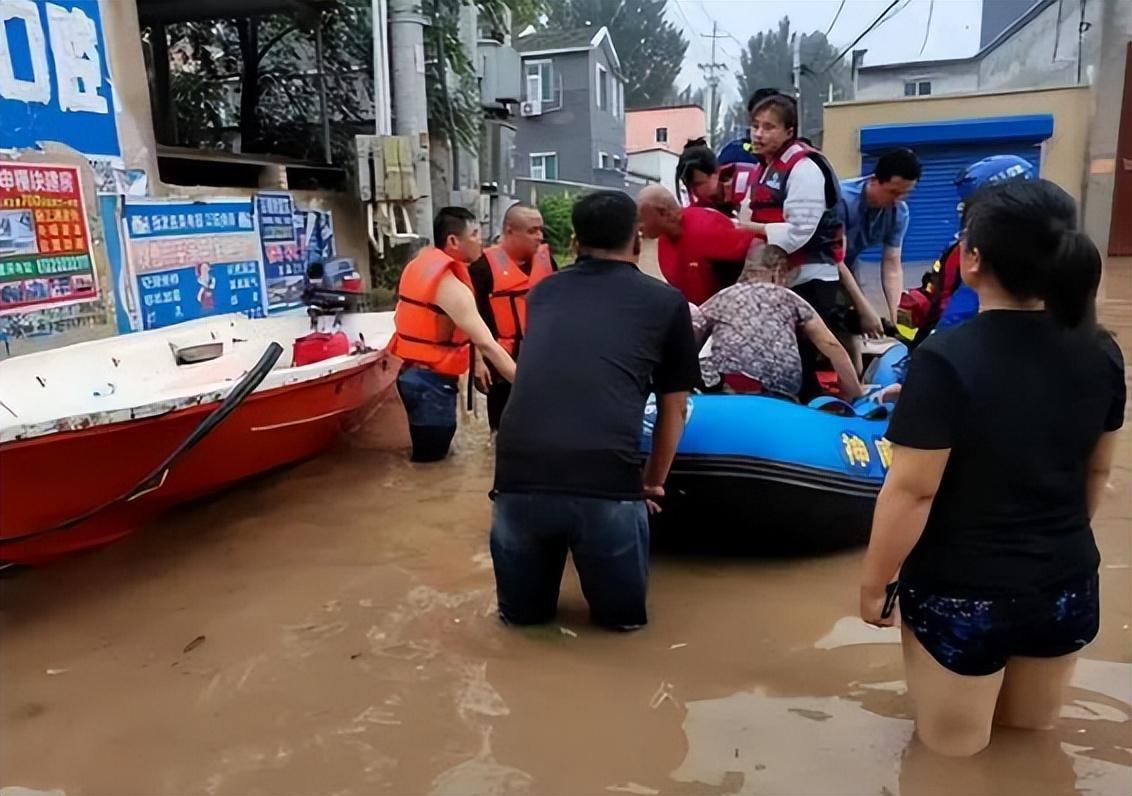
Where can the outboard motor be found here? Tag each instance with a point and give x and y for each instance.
(327, 293)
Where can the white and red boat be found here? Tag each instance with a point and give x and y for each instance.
(87, 431)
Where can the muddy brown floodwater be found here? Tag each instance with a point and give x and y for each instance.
(330, 629)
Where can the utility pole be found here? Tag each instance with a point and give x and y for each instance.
(713, 83)
(798, 81)
(410, 106)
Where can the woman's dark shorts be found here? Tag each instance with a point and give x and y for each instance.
(974, 638)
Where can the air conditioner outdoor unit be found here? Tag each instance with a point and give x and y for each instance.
(531, 108)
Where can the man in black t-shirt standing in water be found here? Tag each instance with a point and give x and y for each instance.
(600, 336)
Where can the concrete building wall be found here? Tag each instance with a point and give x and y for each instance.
(946, 78)
(607, 126)
(131, 87)
(682, 123)
(563, 131)
(1041, 54)
(658, 165)
(1027, 59)
(1063, 155)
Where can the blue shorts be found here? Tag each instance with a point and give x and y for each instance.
(530, 536)
(975, 638)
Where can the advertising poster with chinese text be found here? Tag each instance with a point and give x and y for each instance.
(315, 229)
(194, 259)
(45, 251)
(283, 263)
(55, 79)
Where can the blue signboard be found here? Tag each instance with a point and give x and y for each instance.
(194, 259)
(55, 77)
(283, 262)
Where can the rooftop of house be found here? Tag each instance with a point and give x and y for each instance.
(1007, 32)
(546, 42)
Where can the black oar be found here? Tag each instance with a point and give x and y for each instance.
(244, 387)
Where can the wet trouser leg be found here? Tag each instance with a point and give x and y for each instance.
(430, 402)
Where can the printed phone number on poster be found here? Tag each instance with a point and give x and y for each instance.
(44, 266)
(195, 222)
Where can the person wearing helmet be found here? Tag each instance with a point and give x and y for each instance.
(950, 302)
(741, 150)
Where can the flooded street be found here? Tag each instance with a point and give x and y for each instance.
(330, 629)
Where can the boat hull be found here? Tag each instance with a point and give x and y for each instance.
(760, 507)
(51, 479)
(766, 476)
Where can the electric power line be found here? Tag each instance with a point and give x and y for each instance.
(865, 33)
(836, 17)
(928, 29)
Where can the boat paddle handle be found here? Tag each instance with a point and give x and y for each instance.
(244, 387)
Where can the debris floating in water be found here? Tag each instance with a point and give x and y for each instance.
(57, 671)
(681, 645)
(567, 632)
(634, 788)
(192, 645)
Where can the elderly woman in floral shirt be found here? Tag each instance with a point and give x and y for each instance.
(754, 326)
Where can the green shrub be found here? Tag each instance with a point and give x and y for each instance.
(556, 223)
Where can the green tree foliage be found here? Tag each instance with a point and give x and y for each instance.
(768, 60)
(258, 73)
(454, 109)
(557, 226)
(651, 48)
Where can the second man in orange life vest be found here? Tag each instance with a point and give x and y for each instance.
(437, 323)
(501, 279)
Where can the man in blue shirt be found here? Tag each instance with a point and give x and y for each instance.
(874, 212)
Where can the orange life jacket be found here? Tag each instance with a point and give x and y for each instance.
(510, 286)
(425, 335)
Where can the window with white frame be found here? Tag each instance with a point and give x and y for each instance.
(603, 160)
(544, 165)
(617, 162)
(662, 135)
(601, 87)
(620, 100)
(540, 81)
(917, 88)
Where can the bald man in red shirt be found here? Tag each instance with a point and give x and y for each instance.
(700, 250)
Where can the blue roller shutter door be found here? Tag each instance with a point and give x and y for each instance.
(932, 206)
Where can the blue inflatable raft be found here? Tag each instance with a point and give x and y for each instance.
(770, 476)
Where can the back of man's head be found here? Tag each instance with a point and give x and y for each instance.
(450, 221)
(605, 221)
(758, 96)
(901, 163)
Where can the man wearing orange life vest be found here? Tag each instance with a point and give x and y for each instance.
(436, 324)
(501, 280)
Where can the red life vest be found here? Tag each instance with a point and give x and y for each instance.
(768, 198)
(425, 335)
(508, 298)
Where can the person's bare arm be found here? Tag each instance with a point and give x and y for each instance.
(671, 412)
(827, 343)
(701, 324)
(1100, 468)
(892, 279)
(871, 324)
(752, 226)
(454, 297)
(898, 522)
